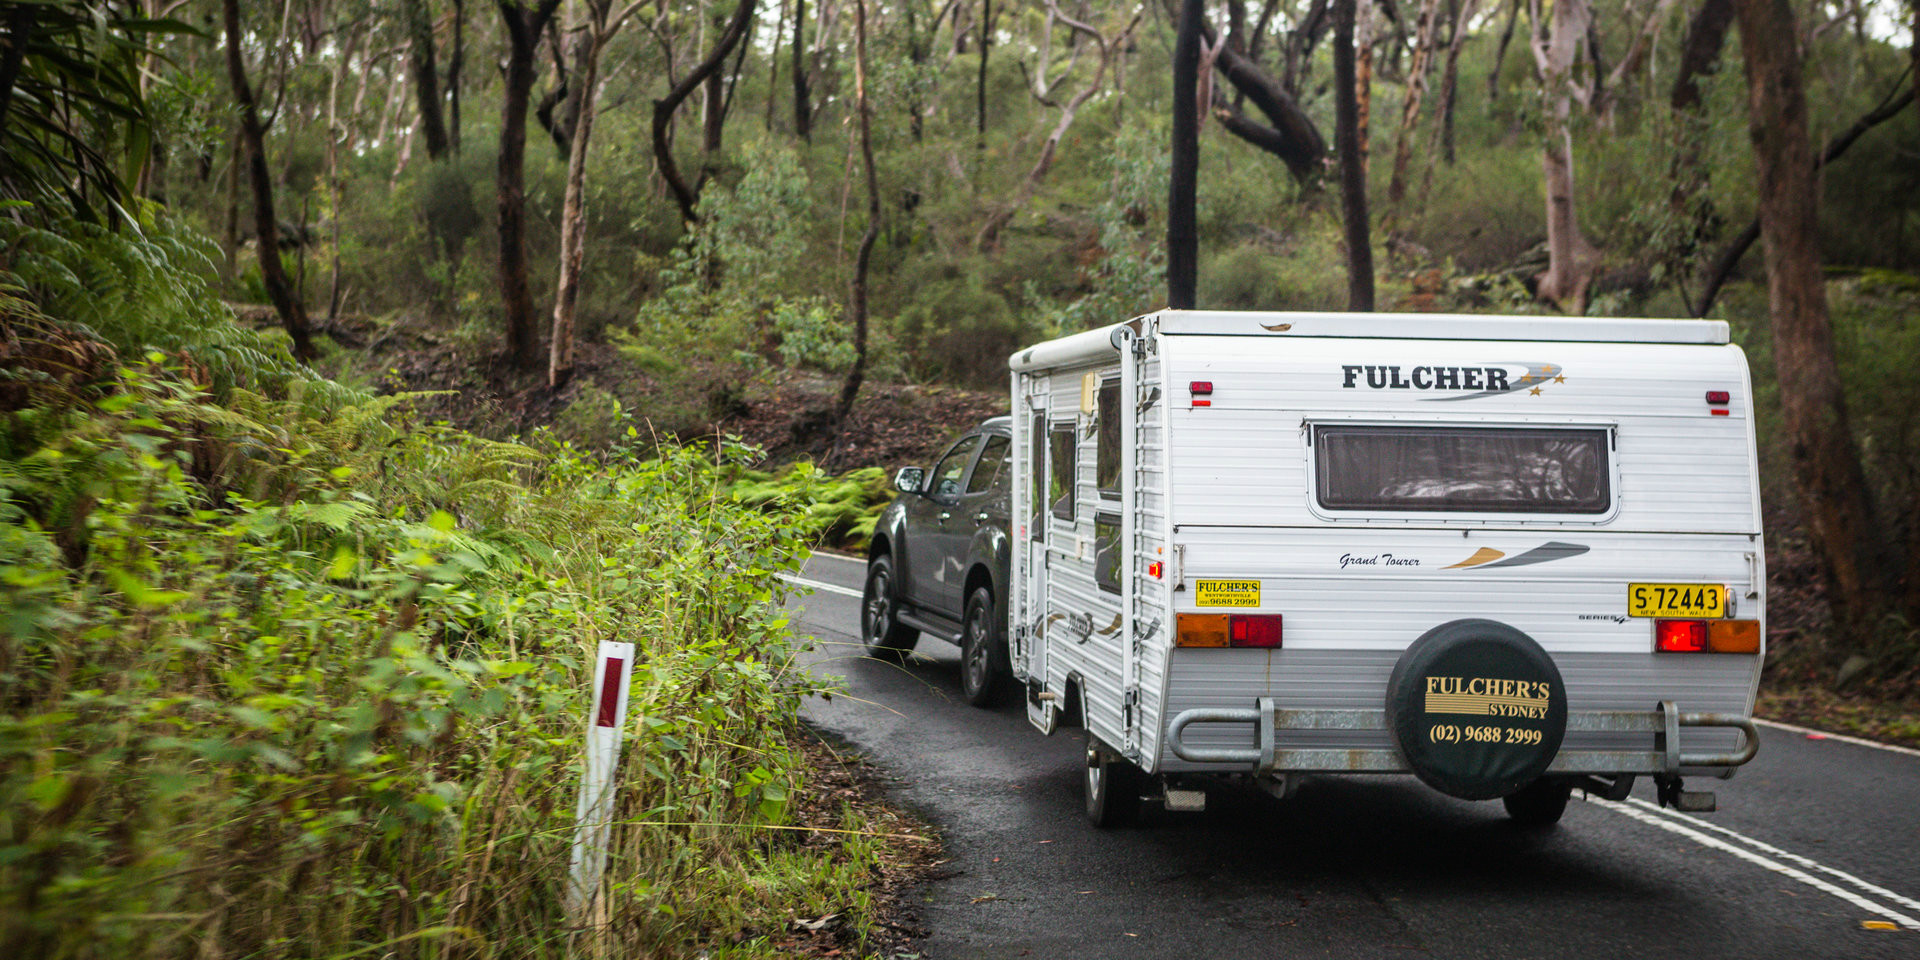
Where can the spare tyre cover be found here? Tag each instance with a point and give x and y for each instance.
(1477, 709)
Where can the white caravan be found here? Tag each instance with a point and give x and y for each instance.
(1509, 555)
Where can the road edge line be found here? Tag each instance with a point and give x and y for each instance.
(1775, 866)
(1770, 849)
(820, 585)
(1843, 738)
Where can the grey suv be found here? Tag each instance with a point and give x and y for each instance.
(938, 560)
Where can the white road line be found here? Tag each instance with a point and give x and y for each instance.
(838, 556)
(1909, 751)
(818, 585)
(1768, 848)
(1708, 840)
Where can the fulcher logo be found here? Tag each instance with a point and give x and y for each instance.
(1488, 380)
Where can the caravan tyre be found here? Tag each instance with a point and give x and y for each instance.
(1540, 803)
(880, 623)
(1114, 786)
(981, 680)
(1477, 708)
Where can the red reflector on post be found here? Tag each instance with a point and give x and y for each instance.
(1717, 397)
(1254, 630)
(1680, 636)
(1153, 569)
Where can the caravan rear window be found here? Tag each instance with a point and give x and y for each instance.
(1478, 469)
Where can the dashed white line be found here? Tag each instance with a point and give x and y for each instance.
(818, 585)
(1670, 822)
(1843, 738)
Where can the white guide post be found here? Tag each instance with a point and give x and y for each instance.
(593, 815)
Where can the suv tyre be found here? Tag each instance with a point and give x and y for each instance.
(982, 681)
(880, 626)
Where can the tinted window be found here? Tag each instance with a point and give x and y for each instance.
(1107, 455)
(993, 459)
(1060, 487)
(1488, 470)
(946, 475)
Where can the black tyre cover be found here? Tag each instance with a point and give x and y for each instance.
(1477, 709)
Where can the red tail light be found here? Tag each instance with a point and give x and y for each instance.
(1254, 630)
(1680, 636)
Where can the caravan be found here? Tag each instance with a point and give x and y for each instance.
(1511, 556)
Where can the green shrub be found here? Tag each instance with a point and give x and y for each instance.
(283, 685)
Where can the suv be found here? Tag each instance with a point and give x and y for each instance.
(938, 560)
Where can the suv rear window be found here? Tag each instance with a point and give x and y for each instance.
(1479, 469)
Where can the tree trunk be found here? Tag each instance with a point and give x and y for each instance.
(1183, 241)
(802, 108)
(980, 88)
(1855, 557)
(524, 26)
(1688, 175)
(13, 53)
(1450, 83)
(426, 77)
(857, 293)
(1363, 82)
(687, 196)
(1353, 168)
(1569, 258)
(293, 315)
(456, 61)
(573, 218)
(1500, 52)
(1425, 34)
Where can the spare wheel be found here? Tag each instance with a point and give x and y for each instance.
(1477, 709)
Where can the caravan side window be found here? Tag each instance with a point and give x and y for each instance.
(1106, 552)
(1037, 476)
(1060, 489)
(1107, 455)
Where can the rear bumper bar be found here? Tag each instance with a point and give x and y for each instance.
(1665, 754)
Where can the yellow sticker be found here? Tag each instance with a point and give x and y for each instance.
(1226, 593)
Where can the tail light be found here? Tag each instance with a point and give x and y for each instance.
(1227, 630)
(1706, 636)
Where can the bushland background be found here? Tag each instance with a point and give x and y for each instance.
(365, 362)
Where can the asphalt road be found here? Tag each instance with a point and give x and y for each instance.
(1816, 844)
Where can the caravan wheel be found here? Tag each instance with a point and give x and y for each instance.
(1540, 803)
(1114, 785)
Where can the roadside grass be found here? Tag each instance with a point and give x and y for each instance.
(286, 683)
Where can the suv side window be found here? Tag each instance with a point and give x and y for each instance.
(992, 460)
(947, 473)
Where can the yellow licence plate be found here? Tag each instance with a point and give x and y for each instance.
(1676, 600)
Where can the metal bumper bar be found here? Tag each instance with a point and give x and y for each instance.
(1662, 723)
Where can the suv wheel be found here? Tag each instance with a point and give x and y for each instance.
(981, 680)
(880, 623)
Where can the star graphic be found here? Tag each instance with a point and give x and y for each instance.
(1535, 391)
(1560, 379)
(1526, 378)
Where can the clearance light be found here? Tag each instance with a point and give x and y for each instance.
(1680, 636)
(1202, 391)
(1718, 398)
(1154, 569)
